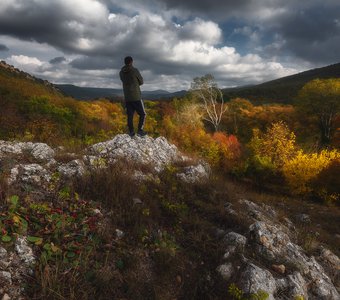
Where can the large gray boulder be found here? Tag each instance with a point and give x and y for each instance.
(41, 152)
(155, 152)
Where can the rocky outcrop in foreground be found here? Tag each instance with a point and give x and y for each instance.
(267, 259)
(35, 167)
(34, 164)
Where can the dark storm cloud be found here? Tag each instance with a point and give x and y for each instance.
(310, 29)
(3, 47)
(57, 60)
(94, 63)
(312, 34)
(52, 22)
(209, 8)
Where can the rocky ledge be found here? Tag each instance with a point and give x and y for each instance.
(35, 167)
(35, 164)
(266, 258)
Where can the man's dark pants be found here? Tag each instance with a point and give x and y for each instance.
(131, 108)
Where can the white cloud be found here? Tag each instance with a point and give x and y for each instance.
(22, 60)
(89, 35)
(201, 30)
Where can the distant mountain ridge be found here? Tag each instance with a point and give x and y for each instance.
(89, 93)
(284, 89)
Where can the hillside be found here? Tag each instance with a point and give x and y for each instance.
(33, 109)
(282, 90)
(126, 219)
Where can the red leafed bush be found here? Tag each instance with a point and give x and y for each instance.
(230, 146)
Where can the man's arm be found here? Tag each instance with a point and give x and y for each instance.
(139, 77)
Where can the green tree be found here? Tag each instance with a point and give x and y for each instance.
(321, 98)
(206, 90)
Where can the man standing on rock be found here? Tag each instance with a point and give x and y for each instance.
(132, 79)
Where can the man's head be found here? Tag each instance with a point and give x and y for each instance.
(128, 60)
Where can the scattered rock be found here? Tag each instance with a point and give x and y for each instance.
(193, 174)
(137, 201)
(24, 251)
(281, 269)
(254, 279)
(73, 168)
(13, 272)
(331, 264)
(235, 239)
(226, 271)
(97, 211)
(270, 242)
(39, 151)
(119, 234)
(5, 278)
(292, 286)
(32, 174)
(303, 218)
(6, 297)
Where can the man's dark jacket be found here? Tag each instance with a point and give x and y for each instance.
(131, 79)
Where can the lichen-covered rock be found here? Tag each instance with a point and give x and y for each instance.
(24, 251)
(39, 151)
(272, 244)
(235, 239)
(254, 279)
(156, 152)
(331, 264)
(73, 168)
(226, 271)
(291, 272)
(33, 174)
(292, 286)
(193, 174)
(5, 278)
(258, 213)
(234, 242)
(15, 266)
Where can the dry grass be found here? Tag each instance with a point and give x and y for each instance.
(169, 249)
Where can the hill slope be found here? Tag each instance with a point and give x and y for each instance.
(34, 109)
(284, 89)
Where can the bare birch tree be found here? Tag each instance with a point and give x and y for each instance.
(206, 90)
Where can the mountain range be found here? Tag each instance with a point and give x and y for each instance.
(284, 89)
(88, 93)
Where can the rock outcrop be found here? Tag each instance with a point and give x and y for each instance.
(265, 257)
(34, 164)
(15, 267)
(270, 261)
(35, 167)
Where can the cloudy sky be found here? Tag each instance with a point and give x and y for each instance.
(83, 42)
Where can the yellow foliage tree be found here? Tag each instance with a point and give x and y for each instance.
(321, 98)
(276, 145)
(300, 170)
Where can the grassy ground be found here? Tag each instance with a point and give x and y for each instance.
(95, 240)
